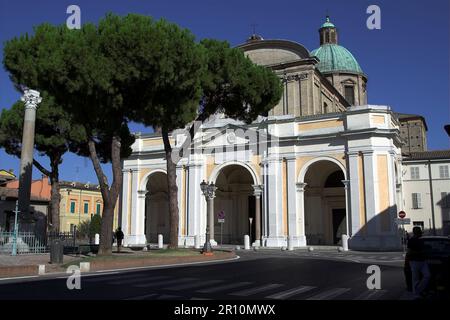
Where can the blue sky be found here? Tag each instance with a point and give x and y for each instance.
(407, 61)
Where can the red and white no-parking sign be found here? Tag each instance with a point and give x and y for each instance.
(402, 214)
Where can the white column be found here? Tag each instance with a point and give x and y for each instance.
(137, 236)
(346, 184)
(257, 193)
(300, 209)
(371, 191)
(125, 204)
(181, 217)
(265, 203)
(293, 221)
(194, 205)
(354, 193)
(275, 206)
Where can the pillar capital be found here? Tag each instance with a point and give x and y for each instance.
(301, 186)
(31, 98)
(257, 190)
(346, 183)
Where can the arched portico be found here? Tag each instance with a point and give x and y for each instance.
(238, 198)
(321, 192)
(156, 217)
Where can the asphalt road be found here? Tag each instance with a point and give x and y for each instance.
(271, 276)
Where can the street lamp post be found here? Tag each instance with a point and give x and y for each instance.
(209, 191)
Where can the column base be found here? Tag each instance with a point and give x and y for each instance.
(275, 242)
(257, 243)
(298, 241)
(135, 240)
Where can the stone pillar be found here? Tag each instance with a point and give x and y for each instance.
(257, 193)
(346, 184)
(31, 98)
(301, 212)
(354, 225)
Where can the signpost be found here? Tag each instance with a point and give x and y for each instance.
(402, 221)
(221, 220)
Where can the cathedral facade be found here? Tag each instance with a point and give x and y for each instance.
(322, 163)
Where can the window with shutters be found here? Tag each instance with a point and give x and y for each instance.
(416, 201)
(443, 172)
(415, 173)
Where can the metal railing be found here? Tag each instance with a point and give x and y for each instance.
(25, 243)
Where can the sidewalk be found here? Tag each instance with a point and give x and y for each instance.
(28, 265)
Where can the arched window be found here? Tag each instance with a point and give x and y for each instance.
(349, 94)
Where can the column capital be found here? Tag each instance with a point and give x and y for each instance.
(31, 98)
(352, 153)
(301, 186)
(257, 190)
(346, 183)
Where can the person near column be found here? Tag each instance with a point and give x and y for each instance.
(119, 237)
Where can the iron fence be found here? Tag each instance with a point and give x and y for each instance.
(26, 243)
(30, 243)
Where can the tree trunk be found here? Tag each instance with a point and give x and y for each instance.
(109, 195)
(173, 190)
(55, 197)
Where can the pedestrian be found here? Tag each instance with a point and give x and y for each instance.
(419, 267)
(119, 237)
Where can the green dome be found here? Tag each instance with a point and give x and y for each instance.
(334, 57)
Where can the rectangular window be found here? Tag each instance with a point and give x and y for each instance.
(415, 173)
(86, 207)
(416, 201)
(445, 199)
(443, 172)
(72, 206)
(98, 208)
(349, 94)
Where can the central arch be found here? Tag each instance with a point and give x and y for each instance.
(236, 199)
(325, 206)
(157, 218)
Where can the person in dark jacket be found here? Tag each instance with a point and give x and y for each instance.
(119, 238)
(419, 267)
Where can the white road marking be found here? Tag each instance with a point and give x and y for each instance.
(194, 285)
(224, 287)
(165, 282)
(14, 278)
(247, 292)
(291, 292)
(329, 294)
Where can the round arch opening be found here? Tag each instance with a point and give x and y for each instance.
(325, 203)
(235, 201)
(157, 218)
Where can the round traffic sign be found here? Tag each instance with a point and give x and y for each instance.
(402, 214)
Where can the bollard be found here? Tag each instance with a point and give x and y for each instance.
(197, 244)
(41, 270)
(246, 242)
(344, 242)
(97, 239)
(290, 243)
(310, 249)
(85, 266)
(160, 241)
